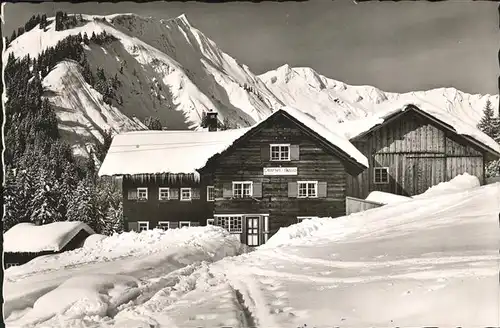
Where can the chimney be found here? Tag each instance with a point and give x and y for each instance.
(212, 120)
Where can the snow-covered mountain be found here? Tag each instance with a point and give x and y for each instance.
(171, 70)
(334, 101)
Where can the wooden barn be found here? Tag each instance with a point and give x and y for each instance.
(26, 241)
(251, 181)
(411, 149)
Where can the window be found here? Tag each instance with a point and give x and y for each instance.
(210, 194)
(183, 224)
(242, 189)
(143, 225)
(307, 189)
(280, 152)
(210, 222)
(381, 175)
(302, 218)
(164, 225)
(8, 265)
(164, 193)
(142, 193)
(232, 223)
(185, 194)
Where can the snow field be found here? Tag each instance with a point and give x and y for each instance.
(430, 261)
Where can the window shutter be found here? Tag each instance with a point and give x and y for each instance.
(195, 224)
(133, 226)
(174, 193)
(227, 191)
(294, 152)
(292, 189)
(132, 194)
(195, 193)
(322, 190)
(257, 190)
(265, 153)
(174, 225)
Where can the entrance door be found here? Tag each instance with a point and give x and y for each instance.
(253, 230)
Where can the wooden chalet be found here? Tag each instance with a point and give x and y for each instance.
(251, 181)
(26, 241)
(413, 150)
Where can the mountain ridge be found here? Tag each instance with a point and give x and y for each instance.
(171, 70)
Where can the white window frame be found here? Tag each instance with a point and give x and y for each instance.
(186, 199)
(242, 183)
(139, 189)
(302, 218)
(142, 222)
(212, 222)
(184, 222)
(307, 189)
(163, 189)
(230, 227)
(375, 175)
(167, 223)
(208, 193)
(279, 152)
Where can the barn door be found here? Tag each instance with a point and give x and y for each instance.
(421, 173)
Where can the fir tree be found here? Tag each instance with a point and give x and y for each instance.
(487, 122)
(13, 206)
(102, 149)
(82, 207)
(114, 220)
(44, 205)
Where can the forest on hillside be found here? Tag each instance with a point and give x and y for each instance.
(44, 181)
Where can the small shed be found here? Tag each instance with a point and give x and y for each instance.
(26, 241)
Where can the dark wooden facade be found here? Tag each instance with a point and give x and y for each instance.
(275, 202)
(174, 210)
(19, 258)
(419, 152)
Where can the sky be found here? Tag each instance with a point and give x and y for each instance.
(395, 46)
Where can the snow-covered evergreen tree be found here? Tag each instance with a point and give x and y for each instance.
(114, 220)
(82, 206)
(13, 208)
(44, 205)
(489, 123)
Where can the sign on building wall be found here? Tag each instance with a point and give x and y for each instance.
(280, 171)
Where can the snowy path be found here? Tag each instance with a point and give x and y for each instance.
(427, 262)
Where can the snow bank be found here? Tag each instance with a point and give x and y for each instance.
(140, 255)
(93, 240)
(213, 241)
(28, 237)
(459, 183)
(298, 232)
(386, 198)
(82, 296)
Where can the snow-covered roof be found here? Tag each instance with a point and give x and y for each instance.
(355, 128)
(185, 152)
(28, 237)
(154, 152)
(334, 138)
